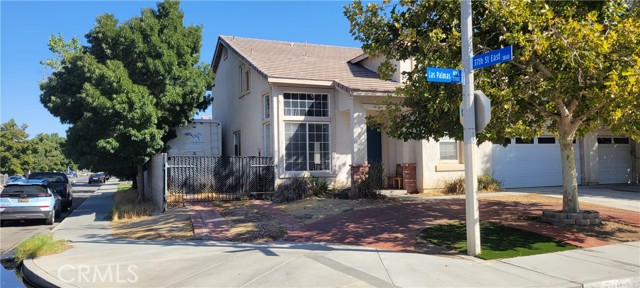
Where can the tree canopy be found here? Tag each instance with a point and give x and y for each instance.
(19, 154)
(575, 68)
(125, 90)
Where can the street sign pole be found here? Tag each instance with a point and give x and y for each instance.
(469, 126)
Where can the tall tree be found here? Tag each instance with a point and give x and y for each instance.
(14, 152)
(47, 153)
(19, 154)
(124, 91)
(576, 68)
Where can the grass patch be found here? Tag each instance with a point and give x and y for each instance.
(497, 241)
(127, 205)
(39, 245)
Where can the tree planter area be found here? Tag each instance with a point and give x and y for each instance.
(582, 218)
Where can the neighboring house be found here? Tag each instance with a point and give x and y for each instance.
(306, 106)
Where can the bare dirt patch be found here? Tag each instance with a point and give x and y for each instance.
(252, 223)
(174, 224)
(249, 223)
(313, 209)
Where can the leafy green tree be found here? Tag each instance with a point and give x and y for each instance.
(576, 68)
(124, 91)
(19, 154)
(47, 153)
(14, 150)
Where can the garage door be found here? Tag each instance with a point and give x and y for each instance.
(530, 164)
(614, 160)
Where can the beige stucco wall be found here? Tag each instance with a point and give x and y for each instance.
(372, 63)
(432, 173)
(237, 111)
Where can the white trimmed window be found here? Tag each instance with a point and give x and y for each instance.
(236, 144)
(306, 104)
(267, 139)
(448, 150)
(244, 79)
(307, 147)
(267, 106)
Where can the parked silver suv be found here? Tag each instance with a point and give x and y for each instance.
(30, 199)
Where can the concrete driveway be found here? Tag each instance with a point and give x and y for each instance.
(619, 196)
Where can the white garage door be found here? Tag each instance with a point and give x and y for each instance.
(614, 160)
(532, 164)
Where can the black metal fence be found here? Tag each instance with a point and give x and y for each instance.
(203, 178)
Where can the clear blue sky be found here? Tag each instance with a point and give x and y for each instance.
(27, 25)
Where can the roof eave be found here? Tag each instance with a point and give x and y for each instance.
(294, 81)
(358, 58)
(242, 57)
(216, 56)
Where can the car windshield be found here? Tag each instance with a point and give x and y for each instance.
(21, 190)
(58, 178)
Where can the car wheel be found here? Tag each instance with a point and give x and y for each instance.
(67, 205)
(51, 218)
(58, 212)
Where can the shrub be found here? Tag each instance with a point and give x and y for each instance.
(486, 183)
(370, 186)
(454, 187)
(294, 189)
(319, 187)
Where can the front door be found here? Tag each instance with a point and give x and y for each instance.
(374, 145)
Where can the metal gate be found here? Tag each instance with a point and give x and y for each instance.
(204, 178)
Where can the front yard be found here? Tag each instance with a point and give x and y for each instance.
(261, 221)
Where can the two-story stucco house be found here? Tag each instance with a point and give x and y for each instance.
(306, 106)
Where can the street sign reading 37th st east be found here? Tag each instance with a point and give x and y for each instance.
(493, 57)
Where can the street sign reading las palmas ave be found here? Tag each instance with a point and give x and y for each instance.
(443, 75)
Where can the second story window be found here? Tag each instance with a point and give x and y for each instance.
(244, 79)
(306, 104)
(267, 106)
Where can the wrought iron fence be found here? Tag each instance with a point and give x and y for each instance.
(203, 178)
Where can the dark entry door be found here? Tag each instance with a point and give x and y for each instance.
(374, 145)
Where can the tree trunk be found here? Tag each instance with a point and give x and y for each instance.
(140, 181)
(570, 202)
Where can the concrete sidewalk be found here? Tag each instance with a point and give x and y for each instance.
(98, 260)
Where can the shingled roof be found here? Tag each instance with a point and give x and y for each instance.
(302, 61)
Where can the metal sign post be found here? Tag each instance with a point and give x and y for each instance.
(471, 177)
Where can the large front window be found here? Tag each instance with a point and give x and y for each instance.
(307, 147)
(306, 104)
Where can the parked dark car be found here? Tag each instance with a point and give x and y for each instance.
(61, 183)
(30, 199)
(97, 178)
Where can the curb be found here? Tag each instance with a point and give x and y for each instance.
(37, 278)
